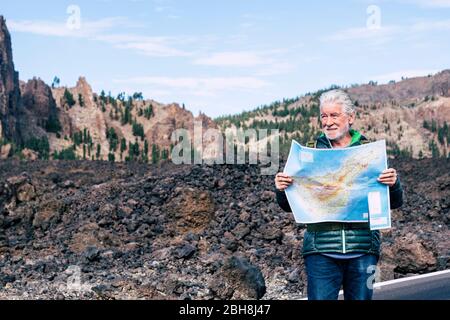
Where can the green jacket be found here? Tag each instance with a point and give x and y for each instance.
(333, 237)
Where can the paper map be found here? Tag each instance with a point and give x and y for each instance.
(339, 185)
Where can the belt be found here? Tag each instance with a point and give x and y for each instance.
(333, 226)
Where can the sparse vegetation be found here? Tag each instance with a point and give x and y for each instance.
(40, 145)
(138, 130)
(65, 154)
(53, 124)
(68, 98)
(56, 82)
(148, 112)
(80, 100)
(113, 139)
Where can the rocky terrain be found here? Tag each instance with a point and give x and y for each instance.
(99, 230)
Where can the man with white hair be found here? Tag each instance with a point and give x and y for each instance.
(340, 254)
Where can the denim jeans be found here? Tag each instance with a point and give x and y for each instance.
(326, 276)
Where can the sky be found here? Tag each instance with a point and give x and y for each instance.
(223, 57)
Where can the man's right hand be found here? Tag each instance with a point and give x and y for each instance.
(282, 181)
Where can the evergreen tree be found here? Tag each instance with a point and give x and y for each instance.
(433, 125)
(80, 100)
(53, 124)
(155, 154)
(103, 96)
(138, 96)
(148, 112)
(68, 97)
(40, 145)
(113, 139)
(65, 154)
(56, 82)
(165, 154)
(77, 138)
(138, 130)
(145, 148)
(99, 148)
(126, 116)
(123, 147)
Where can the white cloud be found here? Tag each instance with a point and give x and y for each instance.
(276, 69)
(161, 9)
(266, 62)
(386, 33)
(100, 30)
(150, 46)
(430, 3)
(398, 75)
(431, 26)
(201, 86)
(382, 33)
(233, 59)
(49, 28)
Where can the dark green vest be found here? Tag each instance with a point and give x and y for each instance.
(332, 237)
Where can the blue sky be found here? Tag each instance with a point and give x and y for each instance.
(227, 56)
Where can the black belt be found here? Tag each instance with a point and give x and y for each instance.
(333, 226)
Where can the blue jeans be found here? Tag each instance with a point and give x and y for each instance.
(326, 276)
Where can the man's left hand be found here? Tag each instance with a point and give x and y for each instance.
(388, 177)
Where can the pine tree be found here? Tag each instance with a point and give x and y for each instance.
(85, 135)
(155, 154)
(68, 97)
(80, 100)
(148, 112)
(126, 116)
(165, 154)
(123, 146)
(56, 82)
(433, 125)
(145, 148)
(98, 151)
(138, 130)
(103, 96)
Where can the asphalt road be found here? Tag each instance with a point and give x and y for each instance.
(432, 286)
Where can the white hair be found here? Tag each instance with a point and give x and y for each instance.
(340, 97)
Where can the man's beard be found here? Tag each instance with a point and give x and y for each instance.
(340, 133)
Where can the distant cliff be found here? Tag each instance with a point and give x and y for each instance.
(9, 88)
(76, 123)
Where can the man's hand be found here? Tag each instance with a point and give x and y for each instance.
(388, 177)
(282, 181)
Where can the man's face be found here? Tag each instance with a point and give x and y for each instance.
(335, 122)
